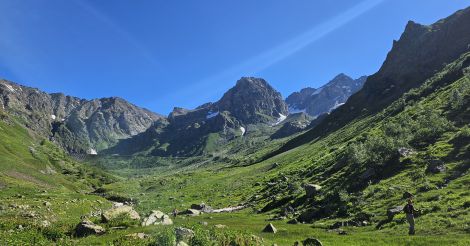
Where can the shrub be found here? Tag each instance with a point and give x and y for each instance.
(122, 220)
(165, 237)
(201, 237)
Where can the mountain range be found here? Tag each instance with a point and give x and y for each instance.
(337, 162)
(114, 125)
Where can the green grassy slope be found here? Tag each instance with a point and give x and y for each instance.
(32, 172)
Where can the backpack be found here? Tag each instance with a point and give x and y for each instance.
(408, 209)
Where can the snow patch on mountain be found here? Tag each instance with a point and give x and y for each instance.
(243, 130)
(337, 105)
(211, 114)
(92, 152)
(280, 119)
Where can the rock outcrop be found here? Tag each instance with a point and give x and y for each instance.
(157, 218)
(86, 227)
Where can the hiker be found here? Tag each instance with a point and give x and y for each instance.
(410, 212)
(175, 212)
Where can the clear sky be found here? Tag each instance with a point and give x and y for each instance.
(159, 54)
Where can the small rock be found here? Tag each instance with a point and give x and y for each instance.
(184, 234)
(86, 227)
(339, 231)
(270, 228)
(220, 226)
(139, 235)
(47, 204)
(293, 221)
(436, 166)
(311, 190)
(31, 214)
(203, 223)
(45, 223)
(192, 212)
(405, 152)
(312, 242)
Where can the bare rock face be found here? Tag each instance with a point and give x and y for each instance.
(250, 98)
(76, 124)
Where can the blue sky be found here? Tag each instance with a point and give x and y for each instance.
(160, 54)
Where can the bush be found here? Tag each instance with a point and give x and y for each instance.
(122, 220)
(166, 237)
(201, 237)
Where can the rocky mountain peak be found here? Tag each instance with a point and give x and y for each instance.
(252, 100)
(316, 102)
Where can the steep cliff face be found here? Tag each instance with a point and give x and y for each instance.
(325, 99)
(252, 100)
(76, 124)
(420, 52)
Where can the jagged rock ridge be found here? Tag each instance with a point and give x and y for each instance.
(76, 124)
(325, 99)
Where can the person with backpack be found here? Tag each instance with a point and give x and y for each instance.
(410, 215)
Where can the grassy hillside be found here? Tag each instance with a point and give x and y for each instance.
(41, 184)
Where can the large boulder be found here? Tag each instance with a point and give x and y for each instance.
(183, 235)
(311, 190)
(270, 228)
(86, 227)
(116, 212)
(157, 218)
